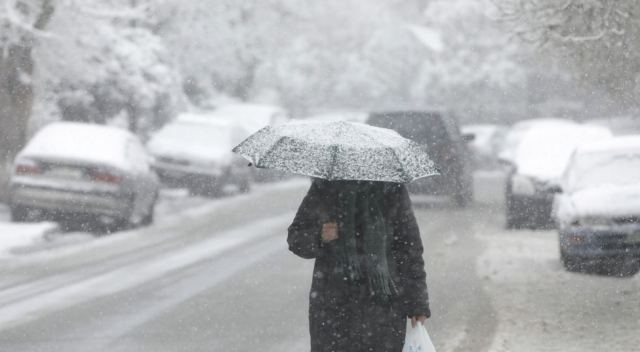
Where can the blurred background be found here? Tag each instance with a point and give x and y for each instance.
(117, 118)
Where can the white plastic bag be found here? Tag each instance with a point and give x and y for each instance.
(417, 339)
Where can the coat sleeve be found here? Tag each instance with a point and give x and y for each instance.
(408, 248)
(304, 233)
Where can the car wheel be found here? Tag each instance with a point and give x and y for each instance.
(620, 267)
(244, 186)
(148, 218)
(19, 214)
(461, 200)
(570, 263)
(513, 215)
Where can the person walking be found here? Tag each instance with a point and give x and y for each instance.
(369, 274)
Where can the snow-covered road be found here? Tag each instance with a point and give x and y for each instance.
(218, 277)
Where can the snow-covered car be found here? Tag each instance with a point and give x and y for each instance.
(486, 144)
(540, 156)
(252, 117)
(76, 169)
(509, 146)
(438, 132)
(349, 116)
(598, 211)
(195, 153)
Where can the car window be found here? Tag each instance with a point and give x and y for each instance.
(603, 168)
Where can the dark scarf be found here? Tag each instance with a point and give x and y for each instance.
(359, 207)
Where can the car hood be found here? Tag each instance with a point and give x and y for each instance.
(607, 201)
(194, 153)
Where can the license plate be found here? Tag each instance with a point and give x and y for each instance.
(67, 173)
(633, 238)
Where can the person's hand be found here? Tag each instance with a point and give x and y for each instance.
(416, 319)
(329, 232)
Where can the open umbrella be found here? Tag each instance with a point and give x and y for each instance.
(338, 150)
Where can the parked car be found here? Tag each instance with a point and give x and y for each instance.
(535, 167)
(486, 144)
(348, 116)
(195, 152)
(598, 212)
(509, 147)
(81, 169)
(253, 117)
(438, 132)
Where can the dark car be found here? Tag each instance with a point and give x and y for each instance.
(438, 132)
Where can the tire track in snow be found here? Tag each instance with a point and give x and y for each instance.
(135, 273)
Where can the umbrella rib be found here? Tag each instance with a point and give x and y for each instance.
(270, 150)
(334, 157)
(402, 168)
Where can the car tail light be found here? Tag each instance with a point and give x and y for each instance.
(105, 176)
(26, 167)
(576, 240)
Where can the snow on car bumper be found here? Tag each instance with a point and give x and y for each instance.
(600, 243)
(60, 200)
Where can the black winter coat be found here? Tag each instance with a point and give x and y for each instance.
(343, 316)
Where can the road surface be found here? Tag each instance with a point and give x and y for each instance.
(218, 277)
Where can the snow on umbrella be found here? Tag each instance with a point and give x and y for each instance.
(338, 150)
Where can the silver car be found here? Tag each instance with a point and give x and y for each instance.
(195, 152)
(75, 169)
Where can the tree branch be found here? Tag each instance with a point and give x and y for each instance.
(46, 13)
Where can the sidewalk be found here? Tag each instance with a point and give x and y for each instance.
(14, 235)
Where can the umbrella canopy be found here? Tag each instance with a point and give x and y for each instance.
(338, 150)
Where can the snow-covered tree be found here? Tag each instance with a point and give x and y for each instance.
(478, 67)
(22, 24)
(115, 68)
(599, 39)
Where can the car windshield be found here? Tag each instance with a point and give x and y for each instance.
(424, 128)
(196, 134)
(604, 168)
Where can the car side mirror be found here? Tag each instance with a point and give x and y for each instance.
(555, 189)
(468, 137)
(505, 163)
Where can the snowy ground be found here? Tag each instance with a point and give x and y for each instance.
(541, 307)
(22, 239)
(218, 277)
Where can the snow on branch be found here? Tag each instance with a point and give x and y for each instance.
(567, 21)
(23, 20)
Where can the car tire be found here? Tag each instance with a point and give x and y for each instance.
(19, 213)
(244, 186)
(149, 217)
(569, 262)
(513, 215)
(462, 200)
(619, 267)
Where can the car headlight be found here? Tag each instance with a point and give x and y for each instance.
(522, 185)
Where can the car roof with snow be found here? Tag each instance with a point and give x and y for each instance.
(81, 142)
(545, 149)
(202, 139)
(351, 116)
(615, 144)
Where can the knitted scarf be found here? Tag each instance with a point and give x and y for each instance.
(360, 208)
